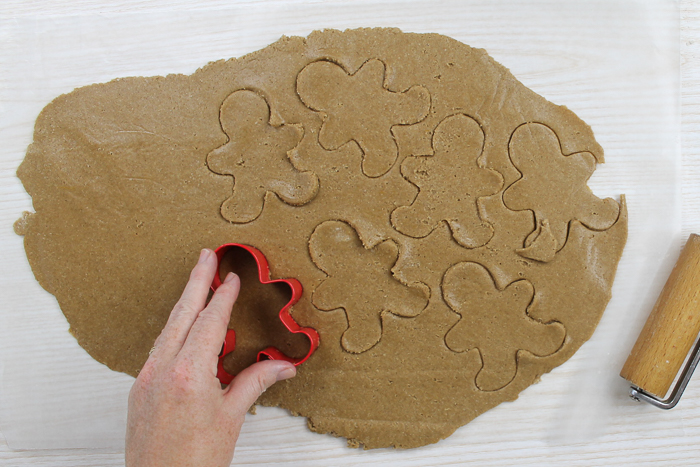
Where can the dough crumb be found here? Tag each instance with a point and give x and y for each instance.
(21, 225)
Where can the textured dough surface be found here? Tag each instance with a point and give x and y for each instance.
(434, 209)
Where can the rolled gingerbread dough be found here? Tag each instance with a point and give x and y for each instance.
(435, 210)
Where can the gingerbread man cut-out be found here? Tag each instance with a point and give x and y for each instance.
(553, 185)
(360, 281)
(450, 184)
(256, 156)
(495, 322)
(359, 107)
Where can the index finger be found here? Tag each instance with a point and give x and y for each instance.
(204, 340)
(187, 309)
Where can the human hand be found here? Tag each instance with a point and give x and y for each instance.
(178, 414)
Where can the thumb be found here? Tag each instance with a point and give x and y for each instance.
(250, 383)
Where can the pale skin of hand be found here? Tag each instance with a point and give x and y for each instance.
(178, 413)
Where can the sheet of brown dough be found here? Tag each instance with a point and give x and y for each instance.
(125, 199)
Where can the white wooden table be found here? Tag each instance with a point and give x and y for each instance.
(521, 433)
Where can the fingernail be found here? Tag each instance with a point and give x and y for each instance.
(229, 277)
(203, 256)
(286, 373)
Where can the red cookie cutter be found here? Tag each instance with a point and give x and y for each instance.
(269, 353)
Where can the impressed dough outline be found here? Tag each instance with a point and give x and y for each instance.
(247, 200)
(531, 249)
(422, 166)
(376, 162)
(488, 336)
(365, 327)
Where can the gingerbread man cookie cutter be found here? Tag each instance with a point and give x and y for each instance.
(268, 353)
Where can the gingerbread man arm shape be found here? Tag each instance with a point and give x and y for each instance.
(256, 156)
(359, 107)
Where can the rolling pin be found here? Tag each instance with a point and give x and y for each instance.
(668, 335)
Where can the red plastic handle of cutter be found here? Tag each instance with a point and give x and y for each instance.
(271, 353)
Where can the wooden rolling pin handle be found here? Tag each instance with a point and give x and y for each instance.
(671, 328)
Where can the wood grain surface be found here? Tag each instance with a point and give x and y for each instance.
(527, 432)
